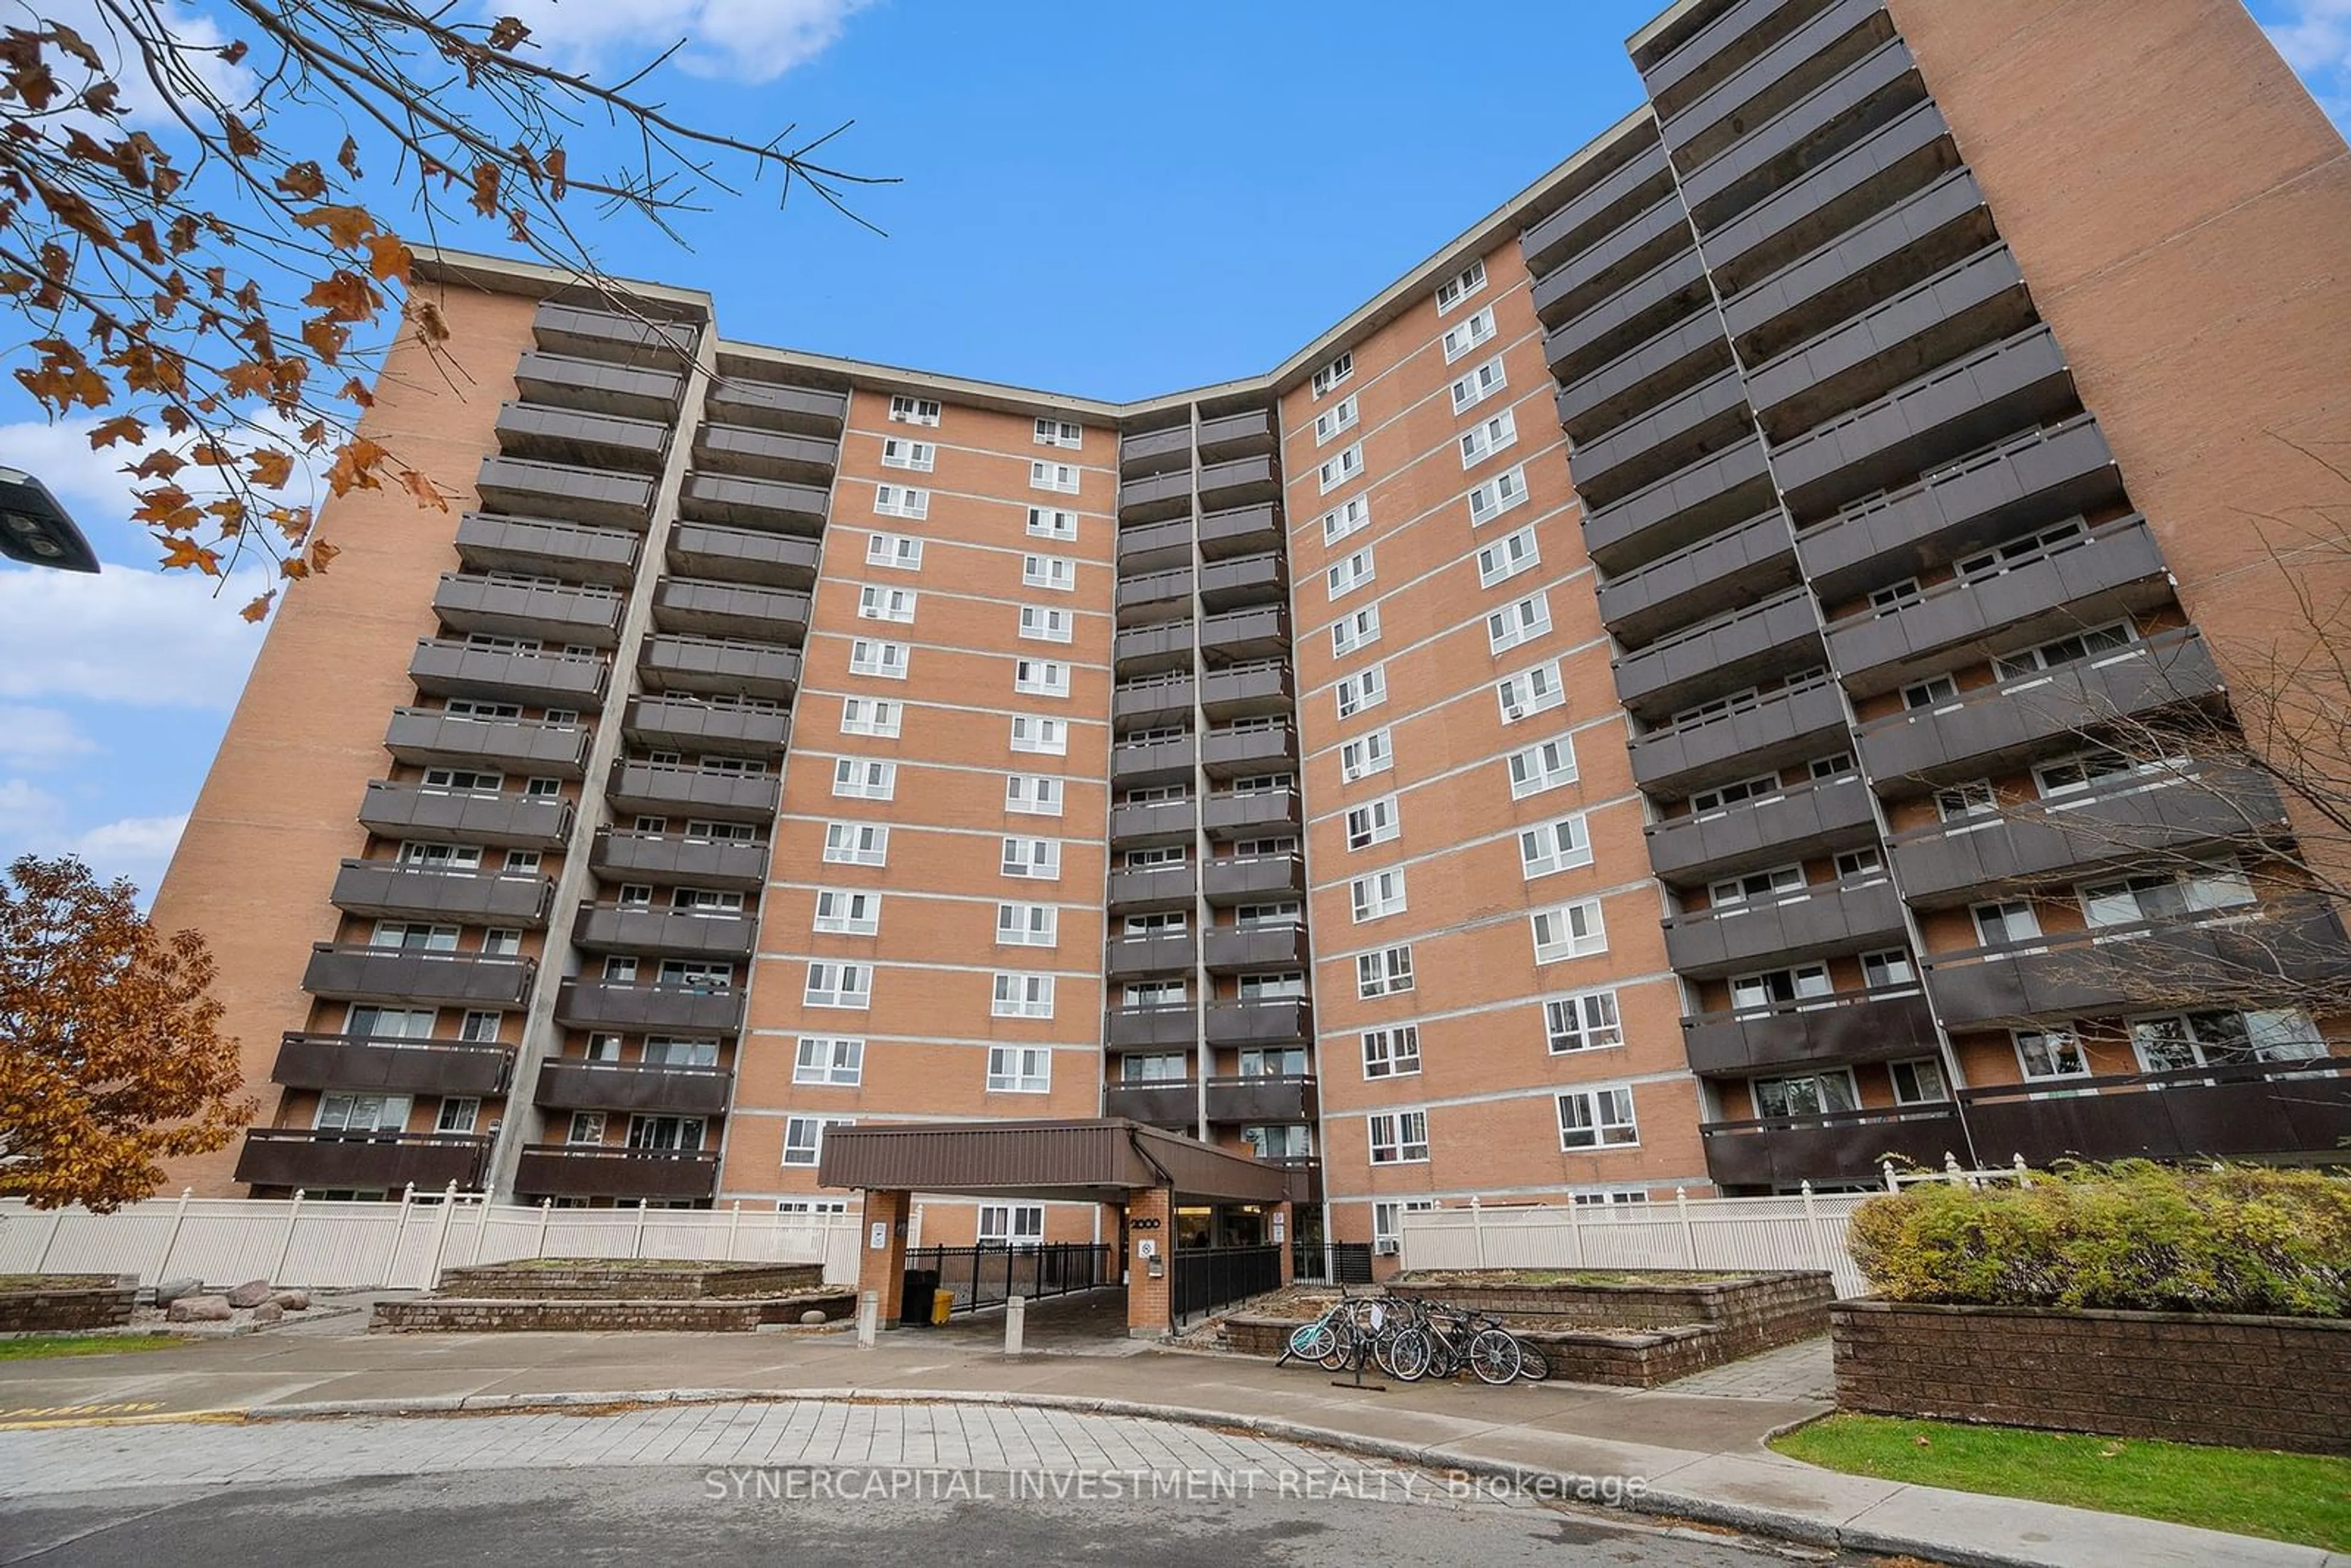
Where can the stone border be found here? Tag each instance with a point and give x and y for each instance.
(593, 1279)
(500, 1315)
(65, 1302)
(2247, 1382)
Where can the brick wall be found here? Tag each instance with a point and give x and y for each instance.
(1754, 1307)
(64, 1302)
(2263, 1382)
(1641, 1359)
(479, 1315)
(686, 1282)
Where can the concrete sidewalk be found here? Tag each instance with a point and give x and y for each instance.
(1700, 1456)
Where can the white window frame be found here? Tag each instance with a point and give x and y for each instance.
(1336, 420)
(1061, 478)
(1350, 572)
(1371, 752)
(1020, 1070)
(1040, 677)
(1048, 623)
(1385, 973)
(1583, 1020)
(1390, 1052)
(1019, 994)
(1351, 516)
(901, 501)
(1340, 467)
(879, 657)
(1546, 765)
(1529, 692)
(883, 717)
(1397, 1137)
(1342, 366)
(835, 1060)
(1359, 628)
(857, 843)
(834, 984)
(1373, 823)
(1065, 433)
(1367, 688)
(878, 602)
(1460, 285)
(864, 779)
(1505, 557)
(1038, 736)
(1503, 492)
(804, 1138)
(848, 912)
(1030, 859)
(1027, 925)
(1469, 334)
(1559, 844)
(906, 410)
(916, 456)
(1577, 929)
(1488, 436)
(1520, 621)
(1475, 386)
(1054, 523)
(895, 552)
(1054, 573)
(1034, 794)
(1377, 895)
(1604, 1118)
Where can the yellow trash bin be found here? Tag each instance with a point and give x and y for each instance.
(941, 1304)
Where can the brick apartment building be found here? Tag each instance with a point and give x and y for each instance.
(1636, 705)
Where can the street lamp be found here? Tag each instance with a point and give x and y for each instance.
(36, 530)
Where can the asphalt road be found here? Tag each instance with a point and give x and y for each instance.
(523, 1517)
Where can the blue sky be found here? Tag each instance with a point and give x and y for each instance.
(1108, 201)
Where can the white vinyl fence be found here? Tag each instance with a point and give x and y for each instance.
(1759, 1233)
(396, 1246)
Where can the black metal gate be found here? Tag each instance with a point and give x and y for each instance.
(986, 1276)
(1206, 1277)
(1331, 1262)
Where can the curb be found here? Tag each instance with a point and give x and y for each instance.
(1586, 1489)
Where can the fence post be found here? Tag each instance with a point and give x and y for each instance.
(1478, 1228)
(1893, 1182)
(1689, 1231)
(1951, 1171)
(914, 1228)
(286, 1243)
(172, 1237)
(734, 1224)
(2023, 1173)
(546, 1210)
(637, 1238)
(1575, 1229)
(50, 1243)
(441, 1236)
(481, 1226)
(1812, 1228)
(391, 1281)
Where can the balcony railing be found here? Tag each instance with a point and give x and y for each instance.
(572, 436)
(1253, 1099)
(624, 928)
(560, 380)
(744, 503)
(1165, 953)
(1846, 917)
(1244, 949)
(666, 858)
(505, 820)
(1160, 1024)
(656, 787)
(1737, 566)
(304, 1157)
(584, 1003)
(394, 890)
(1157, 1101)
(1781, 727)
(2281, 1110)
(402, 1066)
(1247, 879)
(768, 405)
(1842, 1145)
(627, 339)
(1882, 1025)
(565, 491)
(1259, 1021)
(685, 721)
(444, 667)
(359, 973)
(673, 661)
(568, 1083)
(1804, 821)
(585, 1170)
(742, 555)
(490, 541)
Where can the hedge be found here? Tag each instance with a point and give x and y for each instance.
(2134, 1236)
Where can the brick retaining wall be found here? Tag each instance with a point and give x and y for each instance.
(494, 1315)
(66, 1302)
(585, 1281)
(1638, 1359)
(1751, 1301)
(2247, 1382)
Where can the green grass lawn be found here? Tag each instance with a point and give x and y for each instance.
(33, 1346)
(2301, 1498)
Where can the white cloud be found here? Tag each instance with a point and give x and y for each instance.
(126, 636)
(27, 812)
(2315, 39)
(143, 103)
(40, 736)
(749, 41)
(136, 847)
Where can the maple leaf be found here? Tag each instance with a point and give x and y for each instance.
(426, 492)
(258, 610)
(345, 296)
(388, 259)
(271, 469)
(180, 555)
(348, 157)
(355, 466)
(160, 464)
(345, 225)
(507, 34)
(121, 427)
(304, 181)
(322, 552)
(486, 189)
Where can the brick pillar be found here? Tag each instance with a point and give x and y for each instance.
(1150, 1221)
(882, 1269)
(1285, 1218)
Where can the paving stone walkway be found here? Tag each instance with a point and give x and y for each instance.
(1806, 1369)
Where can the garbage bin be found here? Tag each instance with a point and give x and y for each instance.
(914, 1300)
(942, 1304)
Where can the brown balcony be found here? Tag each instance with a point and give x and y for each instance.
(1136, 889)
(1150, 596)
(1883, 1025)
(1161, 647)
(738, 555)
(1240, 481)
(1670, 293)
(568, 1083)
(1240, 531)
(391, 890)
(2292, 943)
(302, 1157)
(1745, 102)
(1150, 452)
(595, 1170)
(1608, 263)
(447, 668)
(1249, 432)
(1259, 1021)
(2117, 822)
(670, 933)
(739, 502)
(1239, 753)
(1255, 814)
(768, 405)
(508, 821)
(1154, 547)
(2287, 1112)
(684, 721)
(2034, 478)
(1258, 689)
(765, 453)
(1241, 581)
(1158, 498)
(723, 666)
(1245, 636)
(730, 609)
(411, 976)
(1991, 728)
(1713, 494)
(1842, 1145)
(1151, 702)
(1798, 120)
(1686, 426)
(583, 440)
(1264, 1097)
(592, 386)
(1830, 917)
(491, 541)
(1805, 821)
(400, 1066)
(1158, 1102)
(1176, 1024)
(565, 492)
(1742, 565)
(1647, 376)
(1151, 764)
(1905, 154)
(591, 1004)
(1251, 949)
(552, 612)
(656, 788)
(1165, 953)
(665, 859)
(1228, 880)
(1763, 642)
(1636, 184)
(631, 339)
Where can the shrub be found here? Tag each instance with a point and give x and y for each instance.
(2132, 1235)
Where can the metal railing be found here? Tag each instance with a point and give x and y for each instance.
(986, 1276)
(1206, 1278)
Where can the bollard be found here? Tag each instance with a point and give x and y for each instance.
(1015, 1323)
(869, 1318)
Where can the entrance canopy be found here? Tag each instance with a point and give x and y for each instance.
(1102, 1161)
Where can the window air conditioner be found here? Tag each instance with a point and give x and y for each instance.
(1385, 1247)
